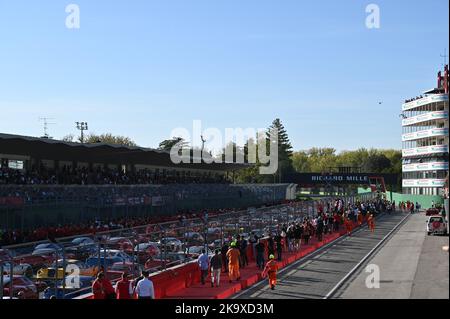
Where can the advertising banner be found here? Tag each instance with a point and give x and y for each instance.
(425, 133)
(424, 101)
(423, 183)
(425, 117)
(425, 150)
(418, 167)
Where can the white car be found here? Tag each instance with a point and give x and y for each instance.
(115, 253)
(20, 269)
(47, 249)
(172, 244)
(83, 241)
(150, 247)
(436, 225)
(197, 250)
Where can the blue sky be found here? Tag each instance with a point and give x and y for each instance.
(144, 68)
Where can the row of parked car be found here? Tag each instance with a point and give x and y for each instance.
(46, 269)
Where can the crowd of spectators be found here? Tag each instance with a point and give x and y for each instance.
(414, 99)
(107, 195)
(68, 175)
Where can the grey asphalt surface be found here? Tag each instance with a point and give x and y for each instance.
(412, 266)
(313, 277)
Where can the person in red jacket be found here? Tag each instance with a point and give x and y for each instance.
(371, 223)
(110, 293)
(97, 287)
(123, 288)
(348, 226)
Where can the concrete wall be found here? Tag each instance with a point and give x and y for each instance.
(424, 200)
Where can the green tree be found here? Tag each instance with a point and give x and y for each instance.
(167, 145)
(108, 138)
(300, 162)
(376, 163)
(68, 138)
(284, 150)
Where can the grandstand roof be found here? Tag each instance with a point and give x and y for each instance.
(50, 149)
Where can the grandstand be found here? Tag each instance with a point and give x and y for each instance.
(48, 182)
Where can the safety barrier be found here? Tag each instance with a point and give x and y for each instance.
(172, 282)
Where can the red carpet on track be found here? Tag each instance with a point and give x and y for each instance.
(249, 275)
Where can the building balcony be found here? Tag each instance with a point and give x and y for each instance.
(423, 182)
(425, 150)
(424, 101)
(421, 167)
(430, 116)
(434, 132)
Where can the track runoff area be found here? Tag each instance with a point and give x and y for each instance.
(323, 273)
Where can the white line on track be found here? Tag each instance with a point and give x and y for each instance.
(358, 265)
(294, 264)
(311, 258)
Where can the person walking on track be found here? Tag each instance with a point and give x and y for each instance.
(216, 268)
(203, 263)
(233, 256)
(371, 223)
(348, 226)
(271, 271)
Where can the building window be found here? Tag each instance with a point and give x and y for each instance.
(13, 164)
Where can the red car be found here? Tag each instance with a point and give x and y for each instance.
(432, 211)
(22, 287)
(36, 261)
(120, 243)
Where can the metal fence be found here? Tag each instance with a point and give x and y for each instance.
(52, 205)
(66, 269)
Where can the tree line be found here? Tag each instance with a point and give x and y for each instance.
(313, 160)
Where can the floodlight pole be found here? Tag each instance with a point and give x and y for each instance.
(82, 126)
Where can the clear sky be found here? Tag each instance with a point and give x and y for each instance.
(142, 68)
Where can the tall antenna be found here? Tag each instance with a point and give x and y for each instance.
(46, 124)
(445, 56)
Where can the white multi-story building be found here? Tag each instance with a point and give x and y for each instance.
(425, 140)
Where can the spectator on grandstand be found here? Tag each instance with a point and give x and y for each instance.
(144, 288)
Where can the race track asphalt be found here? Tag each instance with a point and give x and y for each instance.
(314, 276)
(412, 266)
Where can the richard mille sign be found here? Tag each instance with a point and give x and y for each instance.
(340, 178)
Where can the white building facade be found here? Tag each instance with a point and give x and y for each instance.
(425, 140)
